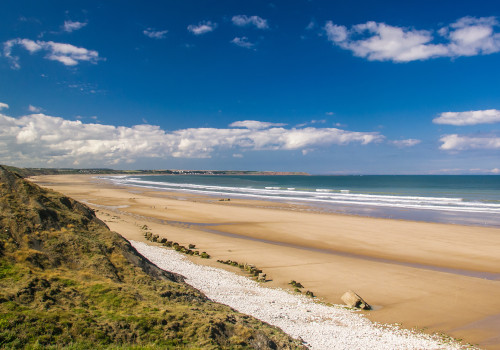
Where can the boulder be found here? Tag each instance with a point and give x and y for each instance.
(351, 299)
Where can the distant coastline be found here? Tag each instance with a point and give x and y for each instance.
(102, 171)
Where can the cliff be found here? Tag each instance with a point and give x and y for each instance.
(66, 280)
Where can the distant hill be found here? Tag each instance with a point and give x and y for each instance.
(66, 280)
(25, 172)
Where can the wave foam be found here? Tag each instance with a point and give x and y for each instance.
(322, 196)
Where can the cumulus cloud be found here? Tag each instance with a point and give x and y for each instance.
(405, 143)
(243, 42)
(254, 124)
(67, 54)
(34, 109)
(70, 26)
(202, 27)
(468, 36)
(243, 21)
(456, 142)
(3, 106)
(155, 34)
(488, 116)
(57, 141)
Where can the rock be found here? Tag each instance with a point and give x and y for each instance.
(262, 277)
(296, 284)
(249, 267)
(351, 299)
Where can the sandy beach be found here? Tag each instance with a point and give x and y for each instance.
(434, 277)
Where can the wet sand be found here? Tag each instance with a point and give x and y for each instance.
(436, 277)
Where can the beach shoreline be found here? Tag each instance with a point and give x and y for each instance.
(383, 260)
(415, 198)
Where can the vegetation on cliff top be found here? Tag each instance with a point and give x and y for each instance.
(66, 280)
(70, 171)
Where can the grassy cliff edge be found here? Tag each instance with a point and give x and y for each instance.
(66, 280)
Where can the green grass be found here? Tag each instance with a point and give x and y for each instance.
(66, 281)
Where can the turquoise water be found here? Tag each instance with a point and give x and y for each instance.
(457, 199)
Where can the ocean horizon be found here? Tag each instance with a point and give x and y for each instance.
(456, 199)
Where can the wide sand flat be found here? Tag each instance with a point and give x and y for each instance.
(441, 277)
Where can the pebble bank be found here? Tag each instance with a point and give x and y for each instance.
(319, 326)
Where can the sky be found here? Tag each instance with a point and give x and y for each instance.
(325, 87)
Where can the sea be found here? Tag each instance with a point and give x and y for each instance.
(457, 199)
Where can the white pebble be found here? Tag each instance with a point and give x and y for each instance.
(318, 325)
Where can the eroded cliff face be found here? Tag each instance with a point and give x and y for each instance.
(67, 280)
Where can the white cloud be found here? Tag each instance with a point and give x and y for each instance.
(243, 21)
(461, 171)
(237, 155)
(335, 33)
(488, 116)
(311, 25)
(34, 109)
(67, 54)
(56, 141)
(405, 143)
(470, 36)
(3, 106)
(202, 27)
(242, 42)
(485, 171)
(314, 121)
(155, 34)
(456, 142)
(70, 26)
(254, 124)
(374, 41)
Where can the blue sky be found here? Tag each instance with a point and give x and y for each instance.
(327, 87)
